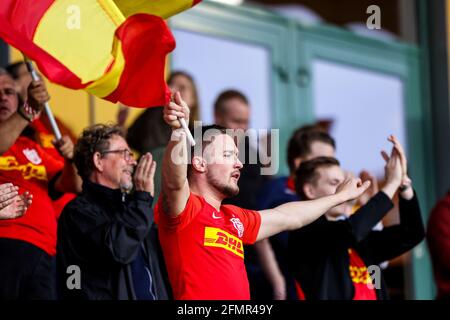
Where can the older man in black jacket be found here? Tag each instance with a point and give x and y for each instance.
(106, 234)
(331, 257)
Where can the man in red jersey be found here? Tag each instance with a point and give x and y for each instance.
(202, 239)
(28, 243)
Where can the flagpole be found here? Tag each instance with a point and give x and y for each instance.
(91, 102)
(49, 112)
(184, 125)
(188, 132)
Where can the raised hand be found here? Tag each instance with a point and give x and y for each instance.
(393, 171)
(403, 161)
(405, 185)
(393, 168)
(144, 174)
(372, 190)
(65, 147)
(37, 95)
(174, 110)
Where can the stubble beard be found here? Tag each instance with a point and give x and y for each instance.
(228, 190)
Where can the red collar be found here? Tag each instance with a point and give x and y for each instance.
(290, 184)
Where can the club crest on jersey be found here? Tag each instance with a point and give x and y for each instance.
(32, 156)
(238, 225)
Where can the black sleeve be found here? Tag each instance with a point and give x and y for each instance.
(121, 235)
(393, 241)
(319, 237)
(323, 236)
(366, 217)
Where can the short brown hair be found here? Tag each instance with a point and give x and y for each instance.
(307, 172)
(301, 141)
(13, 69)
(93, 139)
(207, 131)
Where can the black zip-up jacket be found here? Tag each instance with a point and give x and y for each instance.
(319, 256)
(101, 231)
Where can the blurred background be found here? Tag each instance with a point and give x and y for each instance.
(362, 68)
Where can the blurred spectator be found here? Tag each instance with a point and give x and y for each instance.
(330, 257)
(149, 132)
(19, 72)
(184, 83)
(306, 143)
(28, 243)
(232, 111)
(438, 237)
(42, 127)
(22, 77)
(107, 231)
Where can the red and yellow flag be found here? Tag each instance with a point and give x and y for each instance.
(114, 49)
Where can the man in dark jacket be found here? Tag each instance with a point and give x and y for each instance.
(106, 234)
(334, 257)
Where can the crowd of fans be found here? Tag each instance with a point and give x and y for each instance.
(83, 218)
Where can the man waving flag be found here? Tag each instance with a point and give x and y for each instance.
(114, 49)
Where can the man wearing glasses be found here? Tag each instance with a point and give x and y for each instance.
(107, 248)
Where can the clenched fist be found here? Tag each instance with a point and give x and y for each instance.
(175, 110)
(65, 147)
(37, 95)
(352, 188)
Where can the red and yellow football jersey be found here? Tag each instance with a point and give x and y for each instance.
(360, 278)
(46, 137)
(30, 168)
(204, 249)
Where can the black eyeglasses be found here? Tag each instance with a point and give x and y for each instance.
(127, 154)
